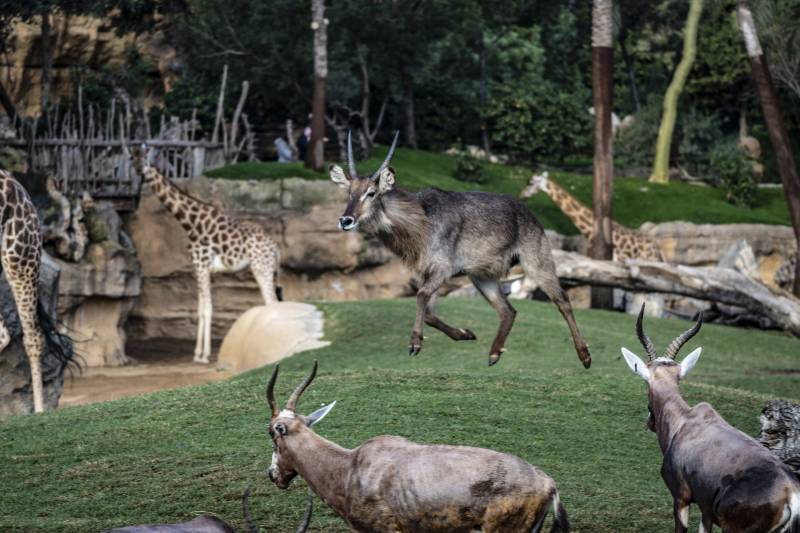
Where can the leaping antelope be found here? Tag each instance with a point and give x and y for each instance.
(737, 483)
(440, 234)
(390, 484)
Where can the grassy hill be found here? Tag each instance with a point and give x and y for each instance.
(635, 200)
(170, 455)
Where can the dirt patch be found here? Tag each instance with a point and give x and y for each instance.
(160, 364)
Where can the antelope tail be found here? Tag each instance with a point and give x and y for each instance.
(794, 509)
(560, 521)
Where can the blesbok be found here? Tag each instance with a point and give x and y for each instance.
(394, 485)
(213, 524)
(737, 483)
(440, 234)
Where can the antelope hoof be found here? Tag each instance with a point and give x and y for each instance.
(414, 349)
(585, 357)
(467, 335)
(494, 358)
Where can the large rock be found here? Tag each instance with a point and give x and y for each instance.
(266, 334)
(705, 244)
(97, 295)
(16, 395)
(78, 40)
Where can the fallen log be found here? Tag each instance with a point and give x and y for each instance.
(715, 284)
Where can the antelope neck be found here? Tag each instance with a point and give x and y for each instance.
(669, 410)
(324, 465)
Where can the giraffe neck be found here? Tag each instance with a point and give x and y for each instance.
(579, 214)
(184, 208)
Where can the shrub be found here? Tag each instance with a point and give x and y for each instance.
(636, 144)
(699, 135)
(734, 173)
(469, 169)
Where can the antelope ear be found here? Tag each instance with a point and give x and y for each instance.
(338, 176)
(689, 361)
(386, 180)
(319, 414)
(636, 364)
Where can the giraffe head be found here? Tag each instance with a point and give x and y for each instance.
(364, 193)
(538, 182)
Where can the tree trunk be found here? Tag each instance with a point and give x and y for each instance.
(602, 93)
(47, 61)
(483, 91)
(664, 142)
(408, 112)
(315, 156)
(770, 106)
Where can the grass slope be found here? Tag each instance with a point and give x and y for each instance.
(635, 200)
(170, 455)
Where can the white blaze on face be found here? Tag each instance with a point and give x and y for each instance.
(274, 464)
(286, 414)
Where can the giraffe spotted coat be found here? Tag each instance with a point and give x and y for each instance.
(628, 243)
(218, 243)
(20, 259)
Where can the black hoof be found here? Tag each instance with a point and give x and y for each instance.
(467, 335)
(494, 358)
(414, 349)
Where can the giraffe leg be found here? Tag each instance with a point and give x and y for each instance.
(265, 277)
(203, 275)
(26, 297)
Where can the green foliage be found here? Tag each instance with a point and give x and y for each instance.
(636, 144)
(699, 134)
(734, 173)
(469, 169)
(187, 95)
(163, 457)
(136, 76)
(530, 118)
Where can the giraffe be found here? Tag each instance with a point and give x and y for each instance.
(628, 243)
(218, 243)
(20, 260)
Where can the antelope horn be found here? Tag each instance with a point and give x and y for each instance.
(388, 156)
(292, 401)
(350, 161)
(271, 392)
(643, 338)
(683, 338)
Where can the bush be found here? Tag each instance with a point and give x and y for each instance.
(734, 173)
(636, 145)
(469, 169)
(699, 135)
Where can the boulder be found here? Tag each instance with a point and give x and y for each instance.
(705, 244)
(266, 334)
(16, 395)
(96, 296)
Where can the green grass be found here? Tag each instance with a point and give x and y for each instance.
(170, 455)
(635, 200)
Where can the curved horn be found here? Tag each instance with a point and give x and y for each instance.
(292, 401)
(350, 161)
(388, 156)
(271, 392)
(683, 338)
(643, 338)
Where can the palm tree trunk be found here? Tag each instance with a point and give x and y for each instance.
(770, 106)
(315, 156)
(602, 95)
(664, 143)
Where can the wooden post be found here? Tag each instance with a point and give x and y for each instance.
(770, 106)
(315, 153)
(603, 164)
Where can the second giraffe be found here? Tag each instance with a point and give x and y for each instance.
(218, 243)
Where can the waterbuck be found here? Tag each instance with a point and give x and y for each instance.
(390, 484)
(737, 483)
(440, 234)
